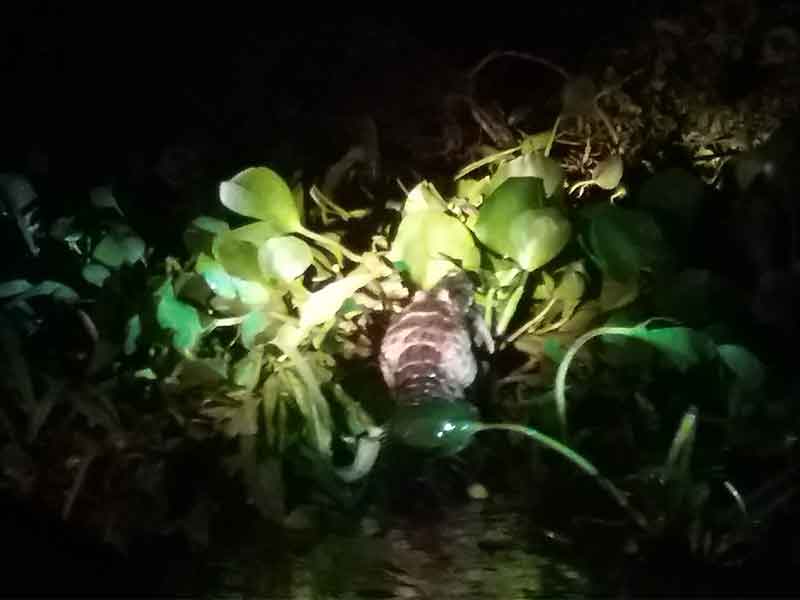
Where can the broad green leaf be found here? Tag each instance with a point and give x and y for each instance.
(247, 371)
(684, 347)
(215, 276)
(616, 294)
(749, 370)
(260, 193)
(422, 198)
(210, 224)
(572, 284)
(252, 292)
(608, 173)
(285, 257)
(544, 290)
(118, 248)
(513, 223)
(289, 336)
(625, 241)
(472, 190)
(200, 233)
(179, 317)
(57, 290)
(426, 239)
(133, 330)
(323, 304)
(95, 273)
(18, 197)
(17, 191)
(14, 287)
(102, 197)
(533, 164)
(255, 233)
(254, 324)
(237, 257)
(503, 271)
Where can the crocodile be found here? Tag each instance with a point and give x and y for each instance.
(427, 350)
(427, 355)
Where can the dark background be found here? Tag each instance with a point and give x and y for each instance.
(93, 95)
(94, 86)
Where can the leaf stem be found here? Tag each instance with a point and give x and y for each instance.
(561, 374)
(329, 243)
(583, 464)
(534, 321)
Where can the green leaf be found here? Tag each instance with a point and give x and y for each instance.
(624, 241)
(424, 197)
(425, 240)
(513, 223)
(200, 234)
(323, 304)
(572, 284)
(533, 164)
(95, 274)
(255, 233)
(472, 190)
(119, 247)
(285, 257)
(443, 426)
(247, 371)
(684, 347)
(215, 276)
(746, 366)
(608, 173)
(260, 193)
(133, 330)
(14, 287)
(237, 257)
(616, 294)
(254, 324)
(102, 197)
(179, 317)
(252, 292)
(57, 290)
(17, 191)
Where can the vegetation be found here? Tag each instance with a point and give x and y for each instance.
(149, 391)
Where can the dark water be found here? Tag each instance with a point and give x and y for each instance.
(478, 551)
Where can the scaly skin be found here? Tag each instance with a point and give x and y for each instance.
(426, 353)
(427, 349)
